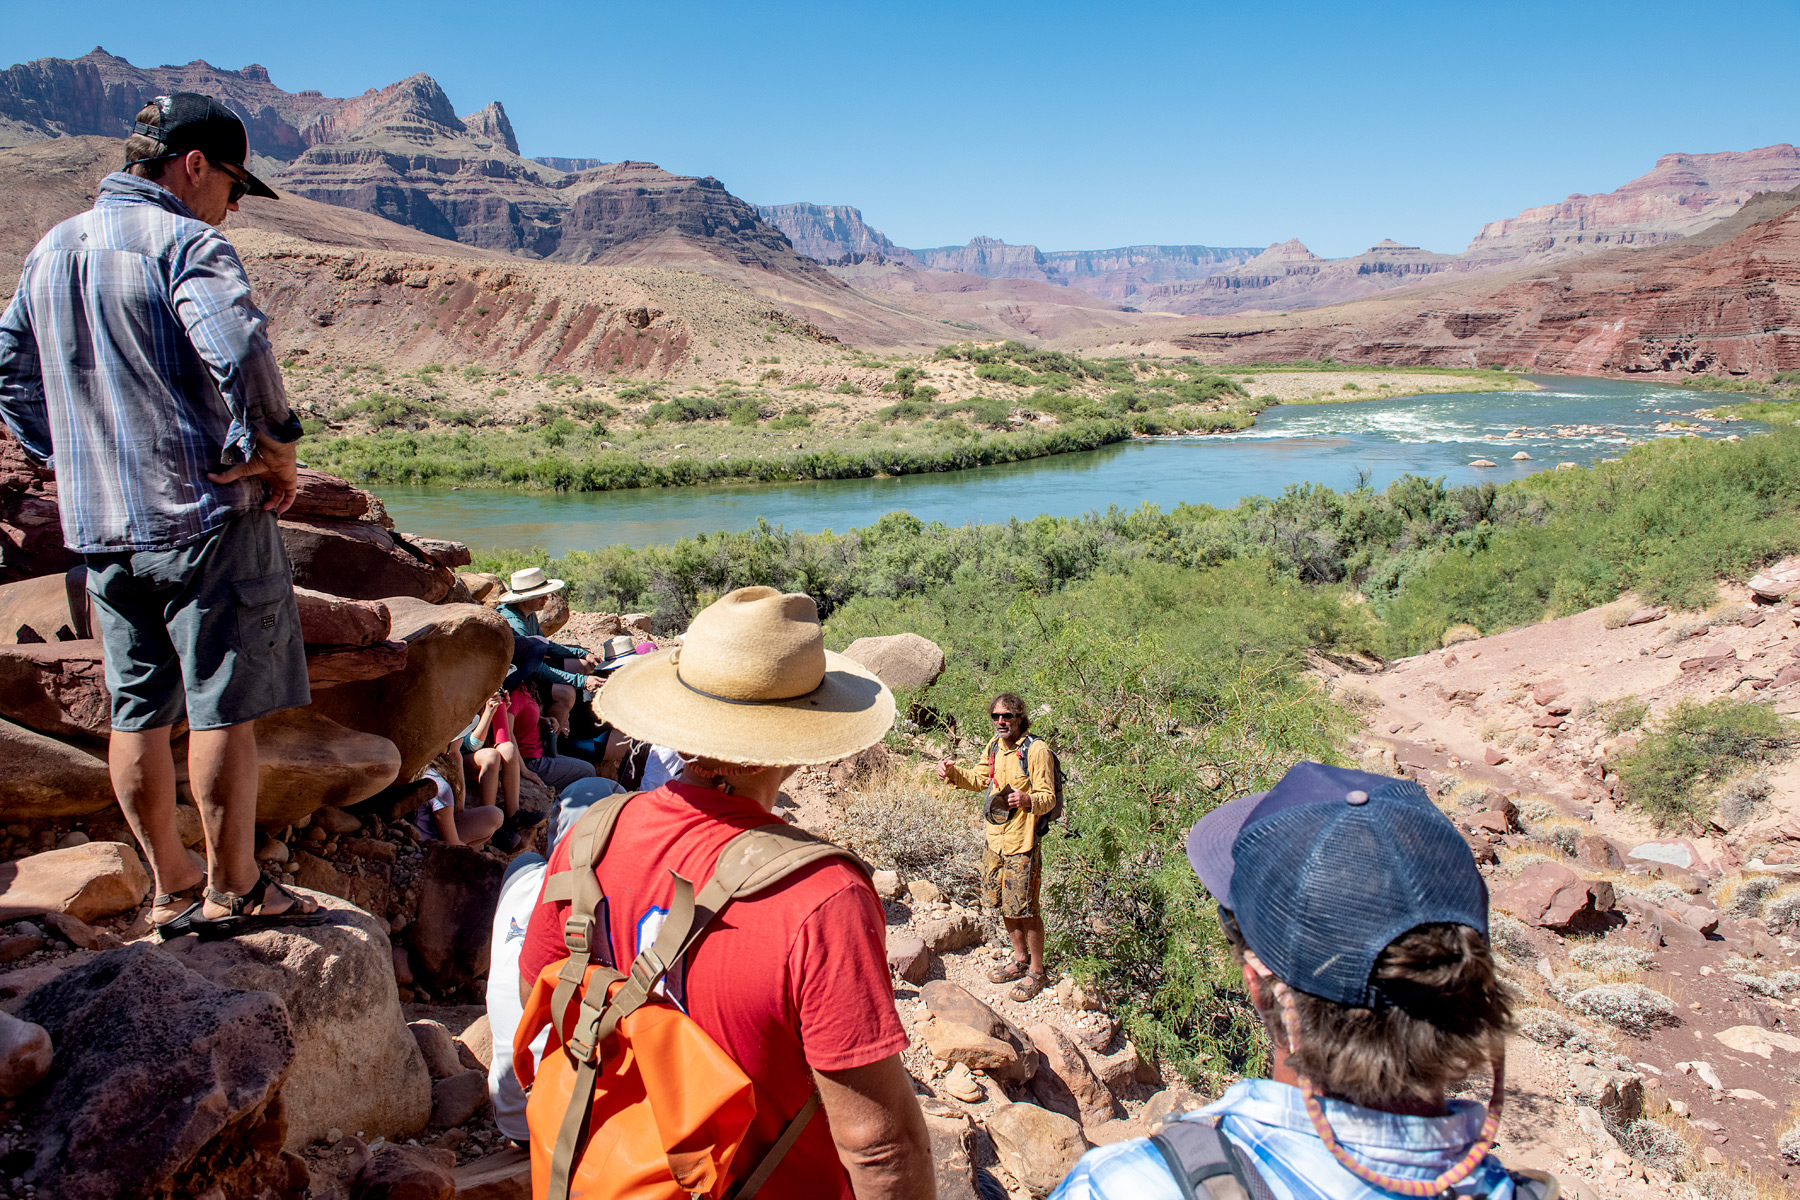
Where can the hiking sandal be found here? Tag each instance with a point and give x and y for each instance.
(181, 923)
(238, 921)
(1027, 987)
(1014, 969)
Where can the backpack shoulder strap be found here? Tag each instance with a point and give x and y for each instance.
(579, 885)
(1205, 1164)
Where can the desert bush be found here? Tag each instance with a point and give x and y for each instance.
(1511, 938)
(1626, 712)
(1548, 1028)
(1745, 800)
(1672, 773)
(1603, 958)
(1653, 1144)
(1788, 1144)
(683, 409)
(896, 820)
(1632, 1007)
(1743, 895)
(1782, 908)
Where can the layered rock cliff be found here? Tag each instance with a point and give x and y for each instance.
(834, 234)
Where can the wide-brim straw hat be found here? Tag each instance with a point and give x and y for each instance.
(751, 683)
(528, 583)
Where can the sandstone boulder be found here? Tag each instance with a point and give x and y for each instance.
(887, 884)
(306, 761)
(1592, 850)
(457, 654)
(1551, 896)
(327, 620)
(1065, 1082)
(57, 688)
(88, 882)
(953, 1004)
(483, 588)
(1036, 1146)
(359, 560)
(457, 1098)
(910, 958)
(35, 610)
(900, 660)
(459, 890)
(1170, 1102)
(30, 531)
(554, 615)
(442, 551)
(25, 1055)
(437, 1047)
(163, 1082)
(355, 1063)
(958, 931)
(47, 778)
(328, 668)
(953, 1042)
(475, 1045)
(322, 495)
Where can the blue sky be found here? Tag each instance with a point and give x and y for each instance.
(1070, 126)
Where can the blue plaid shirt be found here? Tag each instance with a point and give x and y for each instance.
(1268, 1123)
(132, 361)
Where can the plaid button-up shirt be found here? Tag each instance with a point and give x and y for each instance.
(1267, 1122)
(132, 360)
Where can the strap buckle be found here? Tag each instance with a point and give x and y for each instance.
(578, 933)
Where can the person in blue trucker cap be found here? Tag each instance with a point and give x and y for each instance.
(1357, 915)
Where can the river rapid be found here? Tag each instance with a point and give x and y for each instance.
(1568, 420)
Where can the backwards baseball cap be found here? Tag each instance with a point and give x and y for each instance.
(191, 121)
(1328, 867)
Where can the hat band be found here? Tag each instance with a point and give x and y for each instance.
(727, 699)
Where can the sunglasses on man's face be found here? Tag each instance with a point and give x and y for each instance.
(1004, 716)
(240, 184)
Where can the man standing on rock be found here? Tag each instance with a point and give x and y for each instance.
(1019, 775)
(133, 361)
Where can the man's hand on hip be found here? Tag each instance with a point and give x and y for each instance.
(277, 464)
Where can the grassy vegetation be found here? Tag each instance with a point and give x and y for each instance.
(1680, 768)
(566, 456)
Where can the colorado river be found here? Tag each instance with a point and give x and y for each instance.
(1570, 420)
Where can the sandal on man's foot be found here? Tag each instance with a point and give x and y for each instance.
(303, 911)
(1014, 969)
(1029, 986)
(181, 923)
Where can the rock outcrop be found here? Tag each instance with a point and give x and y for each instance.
(833, 233)
(900, 660)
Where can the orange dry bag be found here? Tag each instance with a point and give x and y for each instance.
(633, 1099)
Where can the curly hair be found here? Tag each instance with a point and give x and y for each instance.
(1013, 703)
(1445, 1011)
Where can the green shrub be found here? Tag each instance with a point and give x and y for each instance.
(847, 388)
(589, 409)
(793, 419)
(1627, 712)
(1678, 768)
(995, 414)
(384, 411)
(683, 409)
(745, 412)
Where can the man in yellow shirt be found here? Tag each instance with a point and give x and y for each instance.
(1019, 793)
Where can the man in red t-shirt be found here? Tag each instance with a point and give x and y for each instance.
(792, 983)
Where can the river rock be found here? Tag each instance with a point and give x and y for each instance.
(457, 1098)
(25, 1055)
(438, 1047)
(958, 931)
(1065, 1082)
(359, 560)
(1036, 1146)
(900, 660)
(160, 1076)
(99, 879)
(47, 778)
(457, 654)
(459, 890)
(356, 1065)
(306, 761)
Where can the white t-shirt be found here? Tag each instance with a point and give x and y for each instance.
(664, 764)
(518, 896)
(445, 798)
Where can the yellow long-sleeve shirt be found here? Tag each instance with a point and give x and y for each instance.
(1019, 834)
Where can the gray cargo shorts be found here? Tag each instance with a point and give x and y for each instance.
(209, 630)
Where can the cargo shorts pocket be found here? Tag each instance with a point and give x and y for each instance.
(260, 605)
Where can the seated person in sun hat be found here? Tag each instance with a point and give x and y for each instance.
(566, 670)
(792, 982)
(1357, 916)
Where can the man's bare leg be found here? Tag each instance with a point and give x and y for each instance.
(488, 768)
(562, 703)
(1027, 937)
(143, 778)
(222, 771)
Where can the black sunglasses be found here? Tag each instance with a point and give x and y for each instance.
(240, 185)
(1003, 716)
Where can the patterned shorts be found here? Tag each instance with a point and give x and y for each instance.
(1011, 882)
